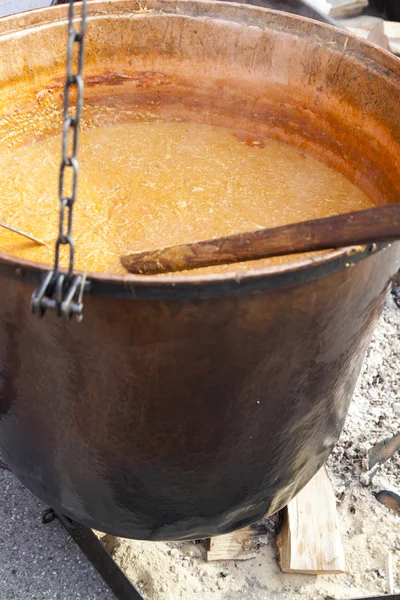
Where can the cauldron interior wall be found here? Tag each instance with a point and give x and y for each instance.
(190, 407)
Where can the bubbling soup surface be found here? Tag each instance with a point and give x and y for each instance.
(149, 185)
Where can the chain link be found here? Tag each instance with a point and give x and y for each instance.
(72, 116)
(56, 289)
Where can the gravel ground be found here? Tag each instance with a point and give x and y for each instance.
(374, 413)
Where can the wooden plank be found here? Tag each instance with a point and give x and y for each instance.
(309, 540)
(347, 8)
(231, 546)
(392, 31)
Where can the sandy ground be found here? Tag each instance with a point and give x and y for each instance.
(171, 571)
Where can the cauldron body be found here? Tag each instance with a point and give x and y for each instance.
(191, 406)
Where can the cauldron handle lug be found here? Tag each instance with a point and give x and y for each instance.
(60, 294)
(48, 516)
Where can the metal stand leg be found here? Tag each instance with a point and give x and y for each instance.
(396, 289)
(384, 597)
(396, 295)
(98, 556)
(95, 552)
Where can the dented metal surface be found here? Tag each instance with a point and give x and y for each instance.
(194, 406)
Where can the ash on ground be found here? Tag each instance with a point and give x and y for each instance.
(374, 411)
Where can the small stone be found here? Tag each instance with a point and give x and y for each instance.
(381, 574)
(110, 543)
(365, 479)
(396, 408)
(224, 574)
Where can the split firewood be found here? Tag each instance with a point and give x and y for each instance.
(309, 541)
(389, 573)
(231, 546)
(347, 8)
(369, 28)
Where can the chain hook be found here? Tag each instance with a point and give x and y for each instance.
(59, 292)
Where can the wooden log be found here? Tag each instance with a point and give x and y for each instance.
(309, 541)
(231, 546)
(346, 8)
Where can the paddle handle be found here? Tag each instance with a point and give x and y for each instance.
(381, 224)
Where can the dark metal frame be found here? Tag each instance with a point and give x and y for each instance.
(384, 597)
(98, 556)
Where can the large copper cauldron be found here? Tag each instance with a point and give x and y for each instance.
(192, 406)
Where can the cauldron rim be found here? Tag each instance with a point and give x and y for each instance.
(199, 286)
(217, 285)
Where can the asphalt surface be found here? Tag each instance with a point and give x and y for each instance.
(40, 562)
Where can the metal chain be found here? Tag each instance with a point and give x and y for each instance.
(70, 134)
(58, 291)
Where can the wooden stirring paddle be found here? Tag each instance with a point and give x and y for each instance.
(26, 235)
(381, 224)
